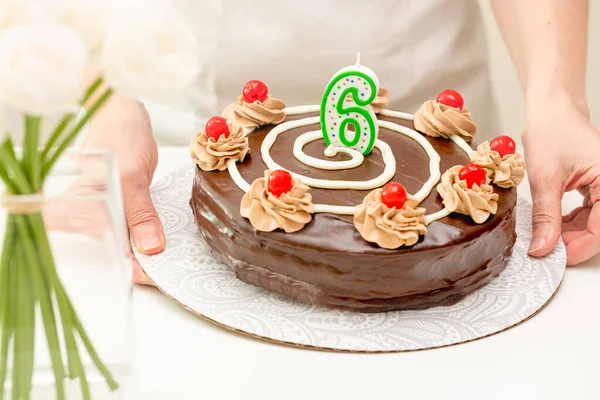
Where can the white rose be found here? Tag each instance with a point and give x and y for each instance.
(91, 19)
(22, 12)
(3, 124)
(3, 15)
(150, 52)
(41, 68)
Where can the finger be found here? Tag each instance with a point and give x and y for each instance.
(546, 217)
(572, 215)
(142, 219)
(577, 220)
(139, 276)
(570, 236)
(585, 192)
(587, 245)
(582, 248)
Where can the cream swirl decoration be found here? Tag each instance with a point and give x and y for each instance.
(389, 228)
(382, 179)
(479, 201)
(506, 172)
(439, 120)
(267, 212)
(211, 155)
(252, 115)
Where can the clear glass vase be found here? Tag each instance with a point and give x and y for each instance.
(65, 286)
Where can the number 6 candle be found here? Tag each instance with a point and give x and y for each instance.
(337, 114)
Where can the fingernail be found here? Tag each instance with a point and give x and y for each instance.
(149, 242)
(536, 244)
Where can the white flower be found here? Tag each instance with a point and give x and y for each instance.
(23, 12)
(3, 15)
(41, 68)
(3, 124)
(150, 52)
(89, 18)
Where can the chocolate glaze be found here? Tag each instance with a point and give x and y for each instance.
(328, 263)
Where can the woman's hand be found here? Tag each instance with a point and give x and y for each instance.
(562, 149)
(124, 127)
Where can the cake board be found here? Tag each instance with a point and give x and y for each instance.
(188, 274)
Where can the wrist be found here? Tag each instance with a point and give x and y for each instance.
(544, 100)
(540, 99)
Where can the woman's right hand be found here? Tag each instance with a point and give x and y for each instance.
(123, 126)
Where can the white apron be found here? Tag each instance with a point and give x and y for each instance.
(416, 47)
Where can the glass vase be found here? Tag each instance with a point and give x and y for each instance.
(65, 286)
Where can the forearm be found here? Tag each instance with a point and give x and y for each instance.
(547, 40)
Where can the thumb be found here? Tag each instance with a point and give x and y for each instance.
(144, 224)
(546, 217)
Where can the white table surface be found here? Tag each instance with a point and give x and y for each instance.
(553, 356)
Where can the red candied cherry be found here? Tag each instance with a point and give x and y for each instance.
(473, 174)
(280, 182)
(217, 126)
(255, 91)
(393, 195)
(503, 145)
(451, 98)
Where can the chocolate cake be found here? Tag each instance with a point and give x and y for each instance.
(430, 249)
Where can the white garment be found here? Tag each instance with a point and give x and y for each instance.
(416, 47)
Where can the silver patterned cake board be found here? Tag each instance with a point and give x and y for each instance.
(188, 273)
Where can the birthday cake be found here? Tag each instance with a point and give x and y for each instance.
(348, 204)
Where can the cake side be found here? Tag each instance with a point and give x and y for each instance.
(349, 279)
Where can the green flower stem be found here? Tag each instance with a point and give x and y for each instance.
(39, 231)
(28, 275)
(70, 342)
(13, 314)
(60, 128)
(72, 135)
(7, 181)
(7, 252)
(5, 303)
(6, 335)
(25, 328)
(75, 364)
(76, 368)
(29, 242)
(55, 135)
(13, 169)
(91, 90)
(112, 384)
(79, 370)
(31, 162)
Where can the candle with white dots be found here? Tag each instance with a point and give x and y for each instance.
(346, 103)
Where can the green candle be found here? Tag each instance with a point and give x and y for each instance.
(346, 103)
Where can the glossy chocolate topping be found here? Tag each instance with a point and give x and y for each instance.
(328, 262)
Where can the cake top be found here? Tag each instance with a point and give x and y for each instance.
(388, 216)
